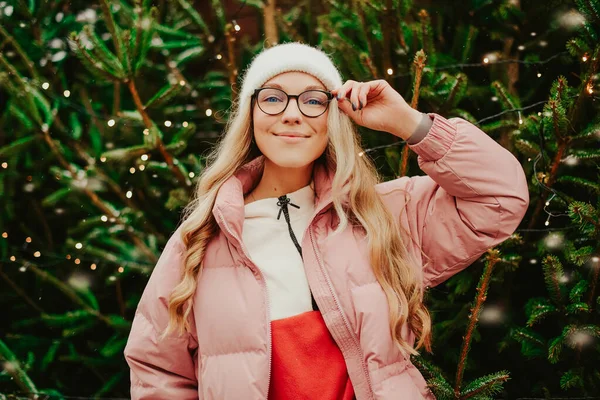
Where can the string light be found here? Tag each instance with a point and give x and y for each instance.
(208, 112)
(4, 165)
(28, 240)
(78, 246)
(104, 218)
(486, 60)
(146, 131)
(219, 56)
(37, 254)
(121, 269)
(102, 159)
(45, 85)
(167, 123)
(182, 83)
(13, 258)
(390, 71)
(132, 170)
(111, 122)
(533, 34)
(584, 58)
(4, 235)
(191, 174)
(67, 93)
(93, 267)
(77, 261)
(185, 124)
(144, 157)
(129, 194)
(539, 75)
(142, 167)
(590, 88)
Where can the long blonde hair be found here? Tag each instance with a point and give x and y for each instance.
(354, 199)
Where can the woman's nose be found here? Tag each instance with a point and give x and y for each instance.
(292, 112)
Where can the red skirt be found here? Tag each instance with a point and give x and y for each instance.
(307, 363)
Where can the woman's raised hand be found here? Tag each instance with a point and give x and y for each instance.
(376, 105)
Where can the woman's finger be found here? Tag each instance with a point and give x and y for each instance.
(344, 90)
(362, 95)
(354, 95)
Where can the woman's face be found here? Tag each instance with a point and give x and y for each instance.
(290, 139)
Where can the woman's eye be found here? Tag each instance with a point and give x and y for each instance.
(313, 102)
(272, 99)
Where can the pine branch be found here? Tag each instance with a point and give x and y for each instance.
(159, 143)
(231, 60)
(488, 386)
(271, 35)
(387, 27)
(562, 149)
(553, 276)
(419, 63)
(13, 367)
(492, 258)
(28, 63)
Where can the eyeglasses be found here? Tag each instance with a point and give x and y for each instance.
(311, 103)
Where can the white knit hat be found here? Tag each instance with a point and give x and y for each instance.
(288, 57)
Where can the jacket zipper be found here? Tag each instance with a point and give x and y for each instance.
(337, 303)
(264, 284)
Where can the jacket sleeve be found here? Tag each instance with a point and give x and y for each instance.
(161, 369)
(473, 197)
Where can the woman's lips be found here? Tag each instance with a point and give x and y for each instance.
(291, 137)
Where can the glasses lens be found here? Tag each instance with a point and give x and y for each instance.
(272, 101)
(313, 103)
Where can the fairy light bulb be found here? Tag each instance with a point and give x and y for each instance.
(67, 93)
(390, 71)
(208, 112)
(45, 85)
(111, 122)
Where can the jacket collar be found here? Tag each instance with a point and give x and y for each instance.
(229, 204)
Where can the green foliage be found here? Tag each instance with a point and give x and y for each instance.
(104, 127)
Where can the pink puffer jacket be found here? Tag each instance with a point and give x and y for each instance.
(474, 196)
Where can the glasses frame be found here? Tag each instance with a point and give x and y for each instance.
(293, 96)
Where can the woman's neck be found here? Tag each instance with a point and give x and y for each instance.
(277, 181)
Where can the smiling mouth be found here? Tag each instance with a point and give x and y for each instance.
(294, 135)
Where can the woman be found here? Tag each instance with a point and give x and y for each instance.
(295, 274)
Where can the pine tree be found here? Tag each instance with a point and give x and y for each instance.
(106, 110)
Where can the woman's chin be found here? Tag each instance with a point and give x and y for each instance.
(291, 160)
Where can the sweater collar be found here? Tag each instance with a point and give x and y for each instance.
(268, 208)
(229, 209)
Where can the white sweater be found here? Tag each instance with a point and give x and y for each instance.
(271, 248)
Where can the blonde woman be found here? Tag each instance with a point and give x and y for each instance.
(295, 273)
